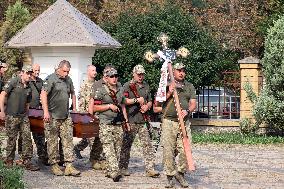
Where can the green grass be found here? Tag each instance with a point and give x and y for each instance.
(11, 177)
(235, 138)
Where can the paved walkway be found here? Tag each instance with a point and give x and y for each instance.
(218, 166)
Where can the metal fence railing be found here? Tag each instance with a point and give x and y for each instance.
(222, 102)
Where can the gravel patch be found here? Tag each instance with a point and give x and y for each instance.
(218, 166)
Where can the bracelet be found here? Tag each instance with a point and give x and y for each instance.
(108, 106)
(135, 100)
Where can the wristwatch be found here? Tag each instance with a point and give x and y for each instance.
(135, 100)
(188, 112)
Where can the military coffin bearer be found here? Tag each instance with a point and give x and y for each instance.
(18, 93)
(55, 94)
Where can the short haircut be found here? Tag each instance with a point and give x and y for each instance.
(64, 63)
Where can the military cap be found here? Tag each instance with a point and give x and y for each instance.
(138, 69)
(179, 65)
(27, 68)
(110, 72)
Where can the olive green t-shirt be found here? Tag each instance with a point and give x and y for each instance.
(1, 84)
(99, 84)
(102, 97)
(186, 92)
(18, 96)
(59, 90)
(36, 89)
(133, 110)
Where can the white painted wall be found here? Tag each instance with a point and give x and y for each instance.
(49, 57)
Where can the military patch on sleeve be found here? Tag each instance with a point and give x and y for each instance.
(7, 85)
(97, 102)
(126, 94)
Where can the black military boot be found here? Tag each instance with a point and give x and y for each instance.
(116, 177)
(77, 153)
(170, 183)
(180, 178)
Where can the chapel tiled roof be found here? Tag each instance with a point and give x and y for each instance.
(62, 25)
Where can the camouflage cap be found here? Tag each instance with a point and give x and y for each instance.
(138, 69)
(27, 68)
(179, 65)
(110, 72)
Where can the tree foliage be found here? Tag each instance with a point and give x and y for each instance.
(16, 17)
(268, 107)
(138, 33)
(273, 10)
(238, 25)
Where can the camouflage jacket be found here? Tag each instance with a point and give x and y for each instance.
(84, 96)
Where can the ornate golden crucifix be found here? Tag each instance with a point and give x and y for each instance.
(168, 55)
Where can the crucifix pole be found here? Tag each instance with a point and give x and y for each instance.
(168, 55)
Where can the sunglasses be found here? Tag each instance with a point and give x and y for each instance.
(112, 76)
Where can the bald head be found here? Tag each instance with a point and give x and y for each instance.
(36, 70)
(92, 72)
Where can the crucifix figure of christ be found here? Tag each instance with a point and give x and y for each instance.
(168, 55)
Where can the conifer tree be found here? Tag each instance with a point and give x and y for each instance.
(16, 17)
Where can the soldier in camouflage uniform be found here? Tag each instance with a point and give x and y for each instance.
(86, 89)
(18, 93)
(39, 139)
(107, 101)
(3, 69)
(171, 137)
(97, 157)
(136, 107)
(56, 91)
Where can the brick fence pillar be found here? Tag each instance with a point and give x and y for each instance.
(250, 72)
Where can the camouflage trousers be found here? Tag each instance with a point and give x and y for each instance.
(39, 140)
(111, 138)
(147, 147)
(14, 125)
(173, 147)
(2, 131)
(63, 129)
(95, 146)
(1, 147)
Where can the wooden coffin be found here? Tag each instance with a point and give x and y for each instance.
(36, 121)
(84, 124)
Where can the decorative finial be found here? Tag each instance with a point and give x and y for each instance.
(164, 39)
(183, 52)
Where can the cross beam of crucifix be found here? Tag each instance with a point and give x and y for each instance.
(167, 55)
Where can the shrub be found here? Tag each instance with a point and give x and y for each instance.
(269, 105)
(11, 177)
